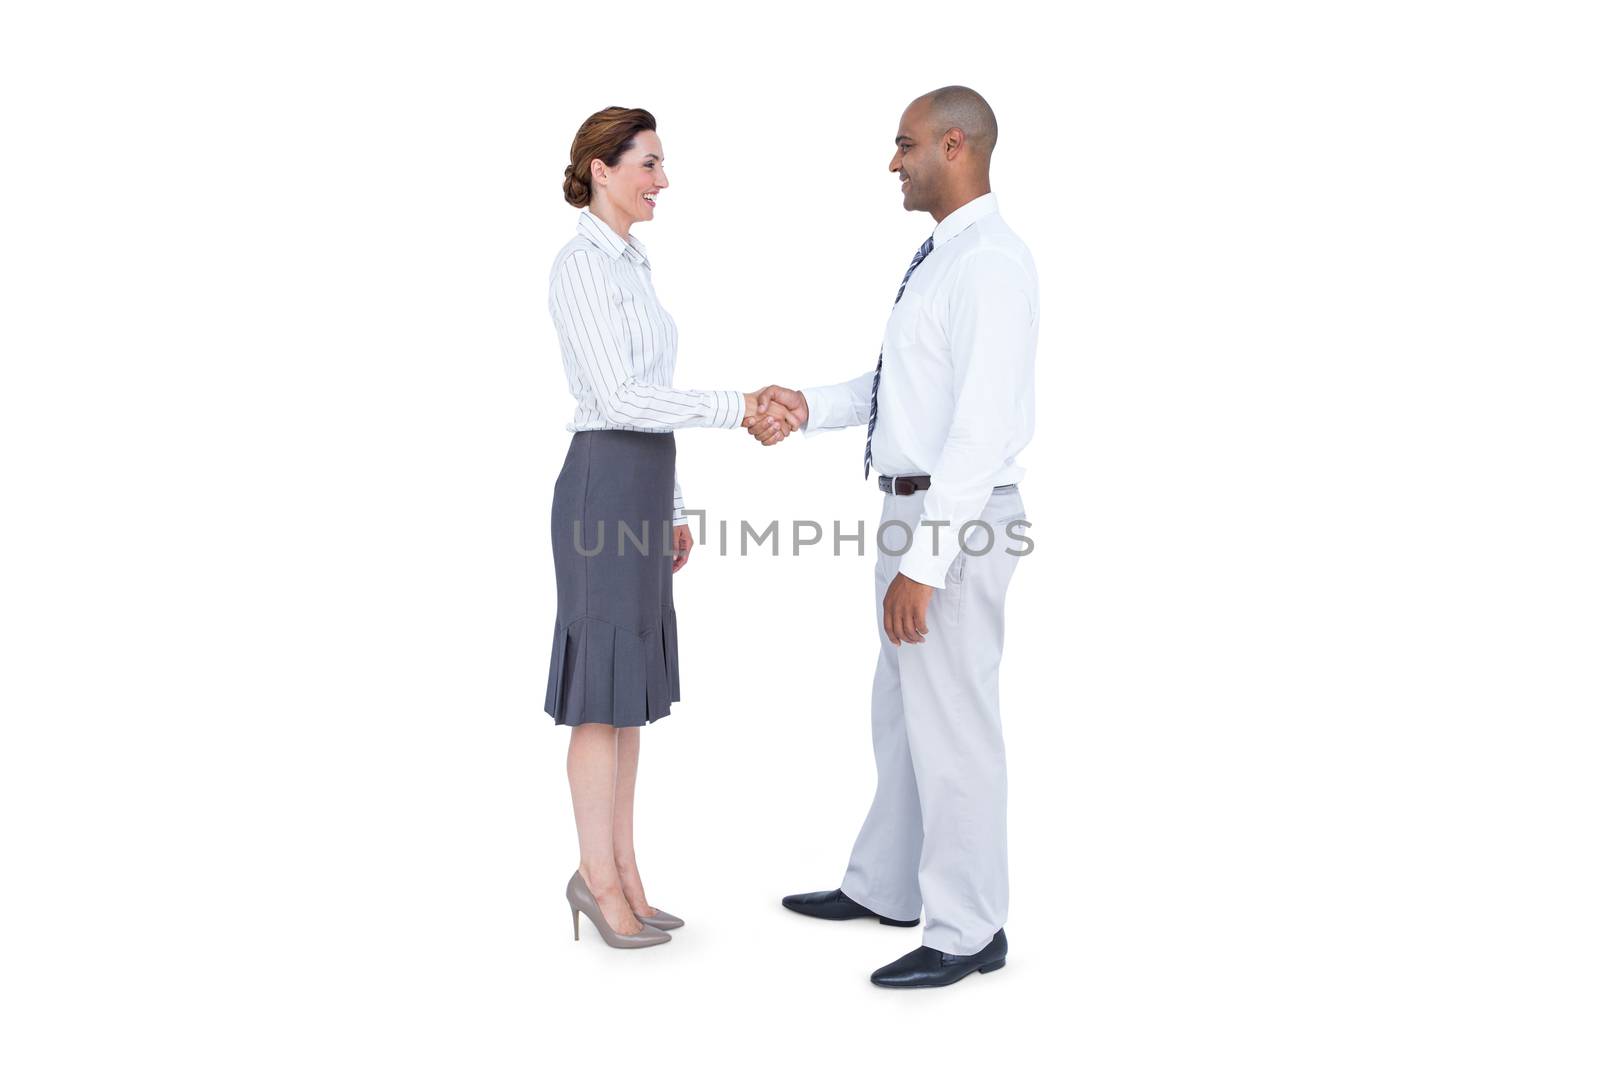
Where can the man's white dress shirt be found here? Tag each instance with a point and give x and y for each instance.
(620, 346)
(955, 401)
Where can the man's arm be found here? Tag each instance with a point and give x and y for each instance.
(813, 410)
(833, 407)
(991, 346)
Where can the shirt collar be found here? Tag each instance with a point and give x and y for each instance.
(964, 216)
(608, 240)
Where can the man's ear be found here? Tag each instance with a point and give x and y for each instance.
(955, 138)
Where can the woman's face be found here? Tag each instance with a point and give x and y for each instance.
(631, 186)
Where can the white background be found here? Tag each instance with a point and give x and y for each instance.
(1300, 685)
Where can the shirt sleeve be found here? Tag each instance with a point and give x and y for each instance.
(991, 350)
(678, 517)
(833, 407)
(580, 303)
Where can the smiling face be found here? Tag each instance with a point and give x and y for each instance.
(917, 160)
(631, 187)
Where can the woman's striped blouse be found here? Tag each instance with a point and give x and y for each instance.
(620, 346)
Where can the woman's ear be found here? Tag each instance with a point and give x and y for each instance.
(597, 172)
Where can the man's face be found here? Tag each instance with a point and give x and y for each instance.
(917, 160)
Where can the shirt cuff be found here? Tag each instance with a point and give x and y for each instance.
(826, 406)
(730, 409)
(921, 563)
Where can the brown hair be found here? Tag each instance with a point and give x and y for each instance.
(605, 135)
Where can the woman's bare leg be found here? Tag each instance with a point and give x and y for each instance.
(592, 773)
(622, 820)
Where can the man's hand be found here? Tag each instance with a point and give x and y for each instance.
(905, 610)
(682, 542)
(779, 412)
(777, 423)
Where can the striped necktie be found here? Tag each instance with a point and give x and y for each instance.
(872, 417)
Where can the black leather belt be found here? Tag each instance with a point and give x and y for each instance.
(906, 484)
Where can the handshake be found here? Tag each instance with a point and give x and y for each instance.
(774, 413)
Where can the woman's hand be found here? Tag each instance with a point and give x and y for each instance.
(682, 542)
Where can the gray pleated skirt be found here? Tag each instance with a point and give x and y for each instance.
(614, 658)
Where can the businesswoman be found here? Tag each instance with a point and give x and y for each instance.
(617, 525)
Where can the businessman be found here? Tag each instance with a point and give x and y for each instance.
(947, 409)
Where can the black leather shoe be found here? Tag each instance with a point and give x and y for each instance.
(833, 904)
(929, 967)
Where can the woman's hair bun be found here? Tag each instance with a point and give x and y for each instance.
(575, 190)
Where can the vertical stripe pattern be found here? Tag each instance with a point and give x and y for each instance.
(618, 344)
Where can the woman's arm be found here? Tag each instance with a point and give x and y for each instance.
(580, 302)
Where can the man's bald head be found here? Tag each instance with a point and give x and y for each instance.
(942, 150)
(957, 107)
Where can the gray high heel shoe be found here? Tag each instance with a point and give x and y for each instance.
(661, 920)
(580, 899)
